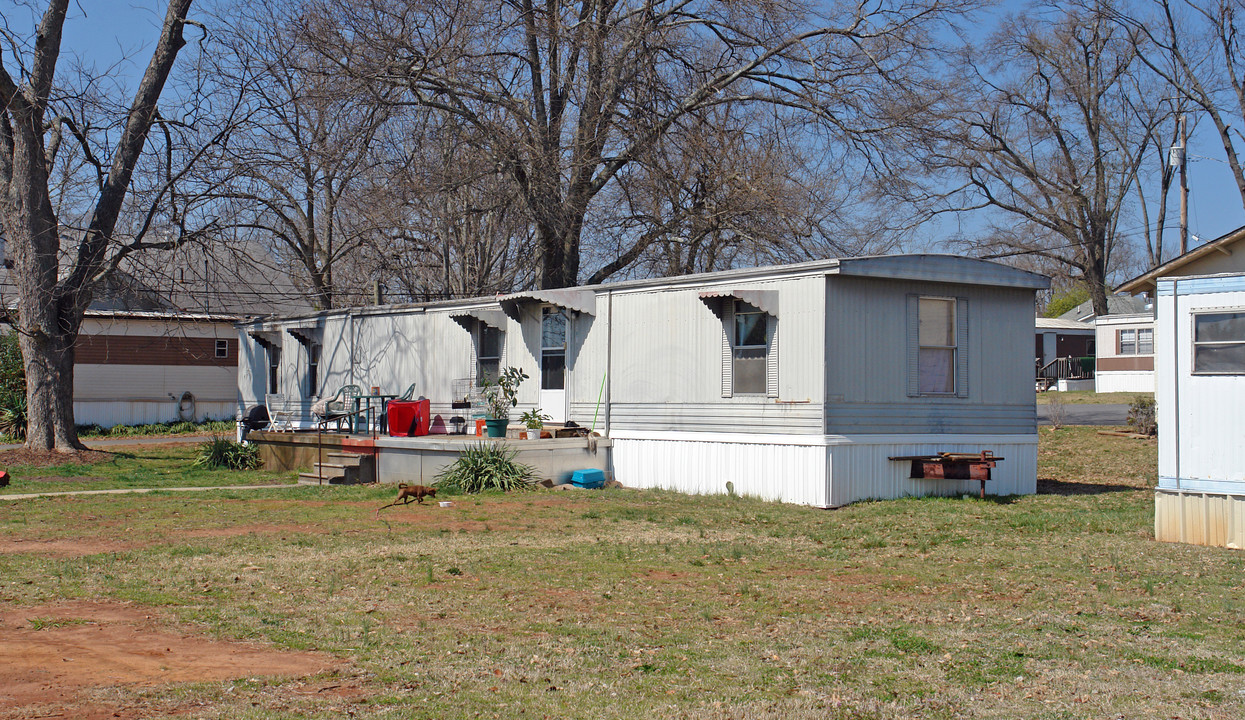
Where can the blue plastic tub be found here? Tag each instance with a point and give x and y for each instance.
(588, 478)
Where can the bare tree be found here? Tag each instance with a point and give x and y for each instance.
(1050, 130)
(61, 249)
(1194, 46)
(563, 96)
(296, 174)
(460, 231)
(729, 186)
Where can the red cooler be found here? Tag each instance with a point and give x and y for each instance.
(409, 418)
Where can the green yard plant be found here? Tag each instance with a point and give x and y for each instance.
(224, 453)
(486, 466)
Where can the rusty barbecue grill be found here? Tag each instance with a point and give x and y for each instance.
(952, 466)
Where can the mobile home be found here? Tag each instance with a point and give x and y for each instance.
(796, 383)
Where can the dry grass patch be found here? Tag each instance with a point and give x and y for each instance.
(623, 604)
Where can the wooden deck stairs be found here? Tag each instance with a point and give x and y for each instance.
(341, 468)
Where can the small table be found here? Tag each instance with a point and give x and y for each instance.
(368, 404)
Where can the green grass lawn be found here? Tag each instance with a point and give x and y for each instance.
(626, 604)
(134, 466)
(1089, 397)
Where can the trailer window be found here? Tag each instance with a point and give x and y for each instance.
(1219, 343)
(936, 337)
(748, 350)
(1136, 341)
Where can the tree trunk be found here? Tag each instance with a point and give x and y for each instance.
(49, 362)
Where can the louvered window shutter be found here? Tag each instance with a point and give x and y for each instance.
(475, 360)
(961, 347)
(771, 356)
(728, 356)
(914, 326)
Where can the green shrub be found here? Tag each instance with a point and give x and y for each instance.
(486, 467)
(12, 388)
(221, 452)
(13, 415)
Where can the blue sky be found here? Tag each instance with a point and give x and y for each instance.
(107, 32)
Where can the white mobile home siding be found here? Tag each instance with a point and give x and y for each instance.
(1205, 447)
(1201, 492)
(667, 363)
(1117, 372)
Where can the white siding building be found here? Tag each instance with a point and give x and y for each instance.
(1199, 364)
(1125, 361)
(792, 383)
(135, 367)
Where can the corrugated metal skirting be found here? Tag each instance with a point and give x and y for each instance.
(828, 472)
(1200, 518)
(861, 469)
(789, 473)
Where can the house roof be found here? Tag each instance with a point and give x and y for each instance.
(915, 267)
(1059, 323)
(191, 281)
(1116, 305)
(1182, 265)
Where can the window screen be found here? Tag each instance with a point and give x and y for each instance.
(274, 367)
(936, 339)
(1128, 342)
(1219, 343)
(488, 353)
(552, 349)
(748, 349)
(313, 369)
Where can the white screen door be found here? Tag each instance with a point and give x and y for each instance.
(553, 363)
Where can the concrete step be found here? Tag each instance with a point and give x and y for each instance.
(311, 478)
(344, 458)
(342, 469)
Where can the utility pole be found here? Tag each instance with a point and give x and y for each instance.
(1184, 184)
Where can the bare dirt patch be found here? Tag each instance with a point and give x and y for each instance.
(62, 548)
(52, 458)
(54, 655)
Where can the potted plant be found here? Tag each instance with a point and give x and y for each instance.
(500, 396)
(535, 421)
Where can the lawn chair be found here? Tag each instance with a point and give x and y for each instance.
(339, 408)
(281, 414)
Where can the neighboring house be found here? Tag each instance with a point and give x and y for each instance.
(137, 367)
(793, 383)
(1125, 361)
(1199, 361)
(1061, 338)
(1114, 342)
(158, 342)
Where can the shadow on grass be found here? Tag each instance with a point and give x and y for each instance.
(1047, 486)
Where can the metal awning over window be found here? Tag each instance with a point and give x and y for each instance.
(267, 338)
(764, 300)
(306, 334)
(468, 318)
(581, 301)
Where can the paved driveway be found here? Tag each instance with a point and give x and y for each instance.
(1087, 414)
